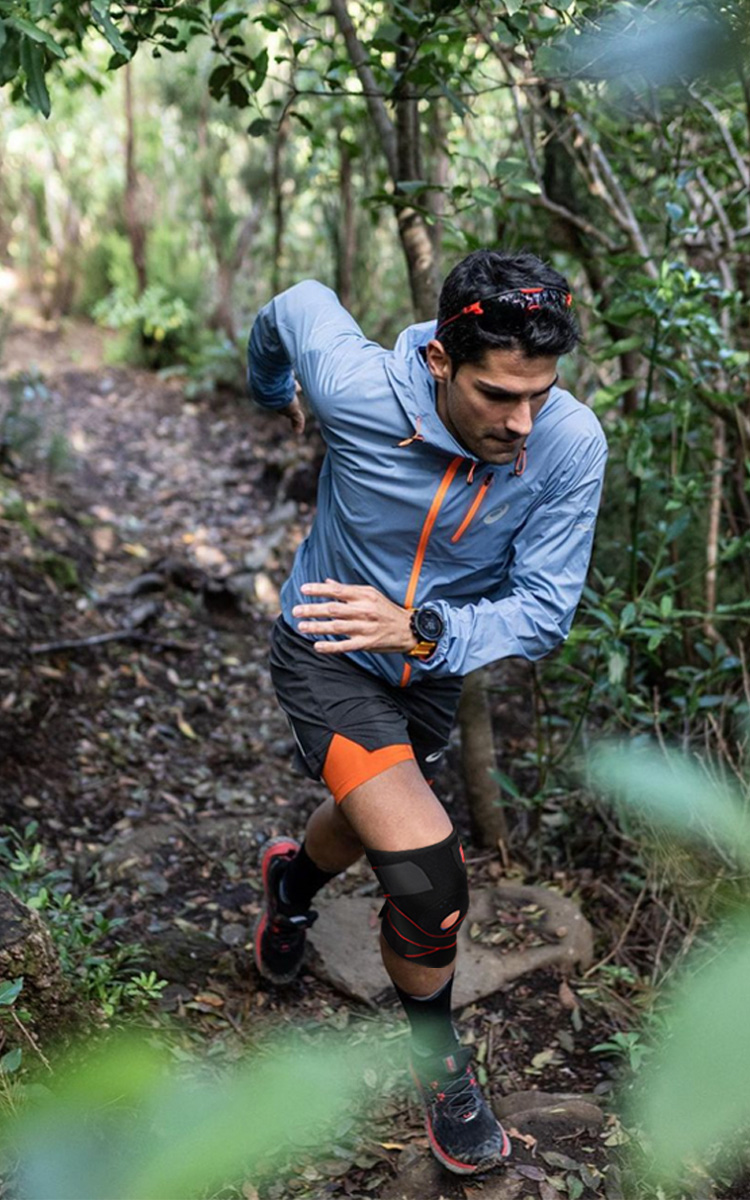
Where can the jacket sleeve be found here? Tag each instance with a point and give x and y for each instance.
(306, 333)
(551, 555)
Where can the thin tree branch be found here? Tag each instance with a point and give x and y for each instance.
(373, 95)
(621, 209)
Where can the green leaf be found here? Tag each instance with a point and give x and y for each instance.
(506, 784)
(671, 790)
(33, 63)
(260, 63)
(38, 35)
(112, 34)
(238, 94)
(617, 663)
(512, 6)
(232, 21)
(530, 186)
(190, 12)
(694, 1091)
(575, 1187)
(99, 1123)
(10, 991)
(11, 1061)
(3, 34)
(506, 168)
(304, 122)
(622, 346)
(259, 127)
(219, 79)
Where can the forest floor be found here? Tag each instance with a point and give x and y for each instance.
(154, 770)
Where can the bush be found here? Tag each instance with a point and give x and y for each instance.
(159, 328)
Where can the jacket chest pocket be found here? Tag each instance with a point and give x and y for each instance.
(473, 509)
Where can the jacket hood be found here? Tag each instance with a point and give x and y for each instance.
(414, 389)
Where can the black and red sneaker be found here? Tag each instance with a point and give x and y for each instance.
(279, 936)
(465, 1135)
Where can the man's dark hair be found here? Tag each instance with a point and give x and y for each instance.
(512, 322)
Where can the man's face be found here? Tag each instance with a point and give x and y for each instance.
(490, 406)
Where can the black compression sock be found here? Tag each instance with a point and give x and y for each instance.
(430, 1019)
(300, 881)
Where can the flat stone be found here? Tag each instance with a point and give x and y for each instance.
(502, 1184)
(420, 1178)
(345, 951)
(548, 1116)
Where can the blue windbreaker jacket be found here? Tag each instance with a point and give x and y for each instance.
(403, 507)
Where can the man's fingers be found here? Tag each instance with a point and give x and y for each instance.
(316, 611)
(342, 647)
(348, 628)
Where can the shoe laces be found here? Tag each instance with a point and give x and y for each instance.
(284, 925)
(460, 1095)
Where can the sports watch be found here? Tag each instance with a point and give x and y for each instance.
(427, 626)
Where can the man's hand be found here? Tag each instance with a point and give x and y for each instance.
(361, 616)
(294, 412)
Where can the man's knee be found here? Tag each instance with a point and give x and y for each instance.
(426, 899)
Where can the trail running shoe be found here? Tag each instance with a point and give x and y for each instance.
(465, 1135)
(279, 937)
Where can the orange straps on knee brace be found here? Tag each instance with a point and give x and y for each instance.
(348, 764)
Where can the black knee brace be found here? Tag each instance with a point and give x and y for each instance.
(422, 887)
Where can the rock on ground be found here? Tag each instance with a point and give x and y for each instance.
(345, 943)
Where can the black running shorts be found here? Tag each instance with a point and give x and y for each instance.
(335, 707)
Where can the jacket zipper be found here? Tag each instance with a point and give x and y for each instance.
(424, 537)
(482, 492)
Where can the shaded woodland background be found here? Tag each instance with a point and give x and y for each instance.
(166, 168)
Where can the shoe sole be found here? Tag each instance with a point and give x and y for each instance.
(453, 1164)
(260, 924)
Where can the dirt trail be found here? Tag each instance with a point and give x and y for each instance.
(157, 773)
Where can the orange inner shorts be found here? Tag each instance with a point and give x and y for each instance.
(348, 764)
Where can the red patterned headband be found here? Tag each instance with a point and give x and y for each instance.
(529, 299)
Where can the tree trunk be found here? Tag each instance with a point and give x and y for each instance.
(714, 515)
(400, 144)
(439, 175)
(478, 761)
(347, 240)
(27, 952)
(134, 224)
(277, 180)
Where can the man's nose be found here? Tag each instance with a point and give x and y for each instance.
(520, 420)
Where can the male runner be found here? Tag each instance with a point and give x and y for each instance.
(455, 517)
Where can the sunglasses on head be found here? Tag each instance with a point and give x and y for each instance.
(527, 299)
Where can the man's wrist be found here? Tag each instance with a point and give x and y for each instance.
(427, 627)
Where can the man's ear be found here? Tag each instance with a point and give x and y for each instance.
(438, 361)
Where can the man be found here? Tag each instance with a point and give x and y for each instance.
(455, 517)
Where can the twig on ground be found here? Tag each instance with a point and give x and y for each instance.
(185, 832)
(31, 1040)
(118, 635)
(622, 938)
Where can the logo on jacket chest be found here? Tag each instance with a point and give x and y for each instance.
(495, 514)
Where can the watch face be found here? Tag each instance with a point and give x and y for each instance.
(429, 624)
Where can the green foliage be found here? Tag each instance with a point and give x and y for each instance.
(27, 426)
(217, 364)
(102, 971)
(159, 326)
(106, 266)
(692, 1093)
(123, 1124)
